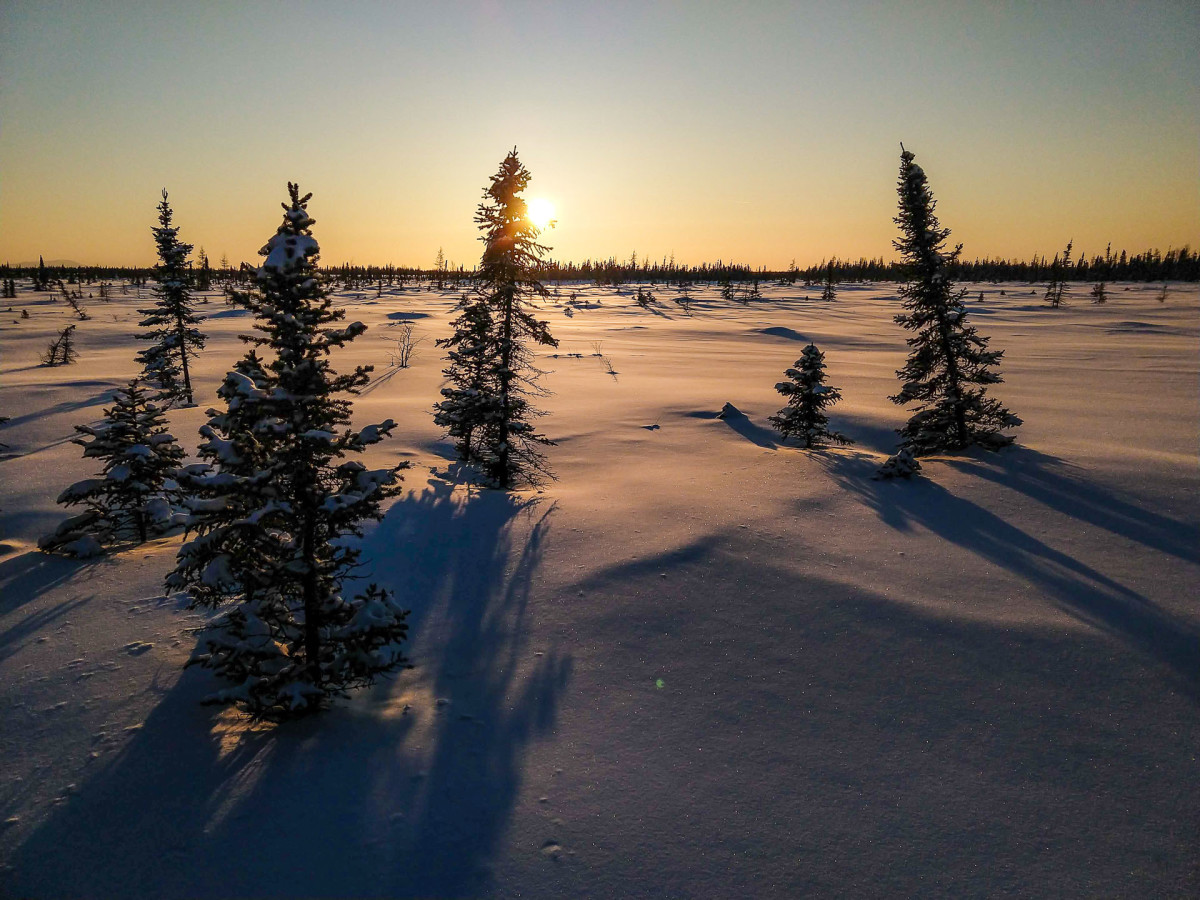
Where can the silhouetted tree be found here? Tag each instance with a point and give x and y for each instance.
(949, 366)
(204, 272)
(488, 409)
(830, 291)
(1054, 291)
(61, 351)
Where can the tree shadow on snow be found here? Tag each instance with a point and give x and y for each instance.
(66, 406)
(1065, 489)
(742, 424)
(24, 578)
(774, 719)
(405, 792)
(1074, 586)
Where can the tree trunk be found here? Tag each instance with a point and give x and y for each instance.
(187, 378)
(960, 418)
(312, 629)
(506, 359)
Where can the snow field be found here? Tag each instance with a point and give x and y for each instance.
(701, 663)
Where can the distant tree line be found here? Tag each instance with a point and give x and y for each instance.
(1182, 264)
(1176, 264)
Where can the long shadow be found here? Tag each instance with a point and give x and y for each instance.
(865, 432)
(742, 424)
(1074, 586)
(65, 406)
(1053, 482)
(23, 579)
(783, 332)
(376, 797)
(387, 376)
(868, 709)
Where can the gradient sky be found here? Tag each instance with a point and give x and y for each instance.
(756, 132)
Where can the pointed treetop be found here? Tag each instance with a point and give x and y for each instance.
(295, 216)
(292, 246)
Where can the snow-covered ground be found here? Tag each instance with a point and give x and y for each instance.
(699, 664)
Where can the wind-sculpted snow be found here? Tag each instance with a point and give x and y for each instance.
(702, 662)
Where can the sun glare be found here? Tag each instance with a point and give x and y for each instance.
(541, 213)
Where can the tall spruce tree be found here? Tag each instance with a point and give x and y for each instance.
(808, 397)
(170, 322)
(488, 409)
(279, 496)
(132, 496)
(949, 366)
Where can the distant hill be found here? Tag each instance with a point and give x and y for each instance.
(69, 263)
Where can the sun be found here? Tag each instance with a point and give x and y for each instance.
(541, 213)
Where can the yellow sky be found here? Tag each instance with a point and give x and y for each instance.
(758, 134)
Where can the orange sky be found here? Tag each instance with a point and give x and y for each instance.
(758, 134)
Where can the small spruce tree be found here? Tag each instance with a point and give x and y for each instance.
(830, 291)
(1058, 284)
(171, 324)
(61, 351)
(902, 465)
(808, 397)
(132, 497)
(949, 366)
(203, 272)
(280, 494)
(469, 409)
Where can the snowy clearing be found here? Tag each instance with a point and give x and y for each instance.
(701, 663)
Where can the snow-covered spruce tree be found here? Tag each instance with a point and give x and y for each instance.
(808, 397)
(498, 426)
(272, 510)
(132, 496)
(902, 465)
(170, 322)
(949, 366)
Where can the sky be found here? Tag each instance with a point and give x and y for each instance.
(757, 132)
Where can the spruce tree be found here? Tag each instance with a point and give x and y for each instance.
(61, 351)
(902, 465)
(830, 291)
(469, 409)
(132, 495)
(808, 397)
(949, 366)
(171, 322)
(203, 273)
(1058, 284)
(279, 495)
(495, 426)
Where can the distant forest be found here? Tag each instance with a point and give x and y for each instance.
(1181, 264)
